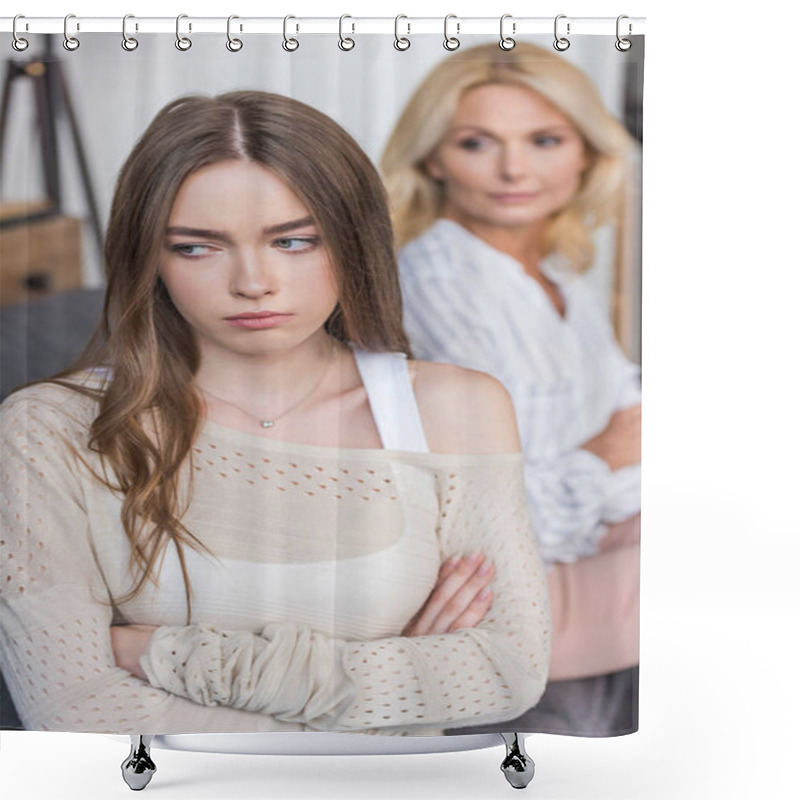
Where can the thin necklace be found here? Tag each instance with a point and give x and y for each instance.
(271, 422)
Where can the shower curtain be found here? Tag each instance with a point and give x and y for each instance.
(315, 560)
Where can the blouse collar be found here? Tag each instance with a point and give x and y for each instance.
(554, 266)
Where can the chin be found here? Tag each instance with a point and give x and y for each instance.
(502, 215)
(512, 219)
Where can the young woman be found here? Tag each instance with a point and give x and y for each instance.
(244, 509)
(499, 170)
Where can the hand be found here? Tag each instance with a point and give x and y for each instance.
(460, 598)
(620, 444)
(129, 643)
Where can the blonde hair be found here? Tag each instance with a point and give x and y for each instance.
(416, 199)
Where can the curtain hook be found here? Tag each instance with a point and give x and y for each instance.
(290, 44)
(18, 43)
(507, 42)
(70, 42)
(129, 43)
(561, 43)
(401, 42)
(451, 42)
(234, 45)
(345, 42)
(623, 45)
(182, 42)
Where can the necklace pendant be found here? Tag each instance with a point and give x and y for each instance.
(267, 423)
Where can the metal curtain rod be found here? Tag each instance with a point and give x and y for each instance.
(331, 25)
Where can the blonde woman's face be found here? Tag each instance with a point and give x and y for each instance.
(509, 158)
(244, 262)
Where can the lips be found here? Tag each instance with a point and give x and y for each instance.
(256, 315)
(514, 197)
(257, 320)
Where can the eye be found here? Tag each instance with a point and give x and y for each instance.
(547, 140)
(472, 144)
(296, 244)
(192, 250)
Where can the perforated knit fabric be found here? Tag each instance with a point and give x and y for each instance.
(321, 555)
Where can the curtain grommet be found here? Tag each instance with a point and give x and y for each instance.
(18, 43)
(70, 43)
(401, 43)
(233, 44)
(451, 43)
(561, 43)
(346, 43)
(129, 43)
(183, 43)
(289, 44)
(622, 44)
(507, 42)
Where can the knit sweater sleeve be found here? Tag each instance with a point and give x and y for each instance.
(486, 674)
(55, 610)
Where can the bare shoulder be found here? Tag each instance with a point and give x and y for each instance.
(464, 411)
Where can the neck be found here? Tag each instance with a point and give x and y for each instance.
(522, 242)
(267, 381)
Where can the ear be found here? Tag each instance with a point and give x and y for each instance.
(432, 166)
(588, 159)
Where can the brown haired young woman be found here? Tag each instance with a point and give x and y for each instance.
(244, 509)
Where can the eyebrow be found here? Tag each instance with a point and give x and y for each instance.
(544, 129)
(221, 236)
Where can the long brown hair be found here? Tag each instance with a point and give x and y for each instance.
(417, 199)
(149, 412)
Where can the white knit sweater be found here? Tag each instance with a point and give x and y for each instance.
(321, 556)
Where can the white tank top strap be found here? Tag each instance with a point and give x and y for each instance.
(391, 397)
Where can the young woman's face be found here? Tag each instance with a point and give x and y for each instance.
(509, 158)
(244, 263)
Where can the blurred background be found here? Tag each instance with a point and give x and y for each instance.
(70, 119)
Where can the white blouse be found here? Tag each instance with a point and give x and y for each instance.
(469, 304)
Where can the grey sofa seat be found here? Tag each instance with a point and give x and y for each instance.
(43, 337)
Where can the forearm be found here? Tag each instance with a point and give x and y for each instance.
(299, 676)
(62, 677)
(292, 673)
(567, 496)
(127, 705)
(487, 673)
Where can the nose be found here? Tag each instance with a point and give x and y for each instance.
(513, 162)
(252, 275)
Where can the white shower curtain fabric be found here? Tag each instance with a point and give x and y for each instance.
(311, 567)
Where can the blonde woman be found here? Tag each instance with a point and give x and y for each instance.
(245, 508)
(499, 170)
